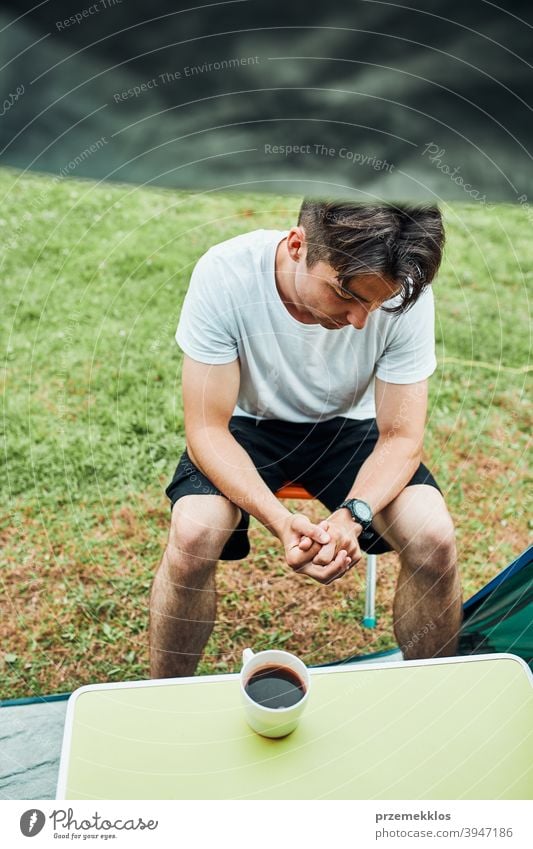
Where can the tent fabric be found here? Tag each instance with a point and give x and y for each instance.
(499, 618)
(30, 746)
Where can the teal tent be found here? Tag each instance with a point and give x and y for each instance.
(499, 618)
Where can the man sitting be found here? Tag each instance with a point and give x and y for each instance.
(307, 358)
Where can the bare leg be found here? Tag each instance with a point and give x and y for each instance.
(428, 604)
(427, 612)
(183, 597)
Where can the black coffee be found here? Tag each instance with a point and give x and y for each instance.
(275, 687)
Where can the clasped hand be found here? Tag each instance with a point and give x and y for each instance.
(324, 551)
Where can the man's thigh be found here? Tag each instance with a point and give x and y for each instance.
(417, 522)
(190, 483)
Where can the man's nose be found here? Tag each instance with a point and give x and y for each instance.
(357, 316)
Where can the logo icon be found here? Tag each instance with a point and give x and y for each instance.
(32, 822)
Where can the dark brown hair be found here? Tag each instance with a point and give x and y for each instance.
(401, 243)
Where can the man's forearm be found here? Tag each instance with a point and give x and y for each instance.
(219, 456)
(386, 471)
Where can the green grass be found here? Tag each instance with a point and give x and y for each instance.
(92, 285)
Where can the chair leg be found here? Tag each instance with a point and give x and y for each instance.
(369, 620)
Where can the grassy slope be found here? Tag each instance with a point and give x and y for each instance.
(93, 278)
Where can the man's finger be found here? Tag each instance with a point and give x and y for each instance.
(325, 574)
(338, 568)
(302, 525)
(325, 555)
(296, 557)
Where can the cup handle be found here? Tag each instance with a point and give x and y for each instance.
(247, 655)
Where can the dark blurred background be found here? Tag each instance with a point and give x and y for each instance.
(378, 99)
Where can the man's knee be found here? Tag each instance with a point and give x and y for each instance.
(433, 550)
(199, 530)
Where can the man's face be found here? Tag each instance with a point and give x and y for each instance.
(335, 306)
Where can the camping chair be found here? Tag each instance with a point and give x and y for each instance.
(294, 490)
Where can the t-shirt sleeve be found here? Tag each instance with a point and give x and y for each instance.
(206, 330)
(409, 354)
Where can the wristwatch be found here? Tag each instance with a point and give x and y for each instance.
(361, 513)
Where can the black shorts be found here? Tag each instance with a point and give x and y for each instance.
(323, 457)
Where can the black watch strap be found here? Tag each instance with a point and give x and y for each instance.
(361, 513)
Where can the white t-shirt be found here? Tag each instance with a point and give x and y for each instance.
(293, 371)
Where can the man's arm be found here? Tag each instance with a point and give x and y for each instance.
(401, 419)
(209, 396)
(400, 416)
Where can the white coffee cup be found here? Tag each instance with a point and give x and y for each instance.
(272, 722)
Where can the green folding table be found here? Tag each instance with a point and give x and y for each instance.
(454, 728)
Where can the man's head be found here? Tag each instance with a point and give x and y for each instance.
(371, 252)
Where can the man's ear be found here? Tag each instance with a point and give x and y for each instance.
(296, 243)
